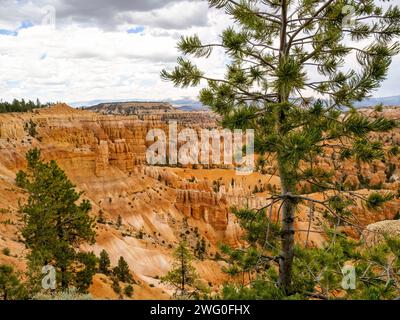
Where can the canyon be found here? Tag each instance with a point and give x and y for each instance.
(103, 152)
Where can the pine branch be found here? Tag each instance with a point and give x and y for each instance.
(308, 21)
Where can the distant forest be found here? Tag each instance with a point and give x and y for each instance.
(21, 106)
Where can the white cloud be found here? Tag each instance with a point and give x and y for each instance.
(79, 63)
(179, 15)
(87, 59)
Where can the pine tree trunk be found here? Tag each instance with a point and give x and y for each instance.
(183, 274)
(64, 280)
(287, 241)
(63, 265)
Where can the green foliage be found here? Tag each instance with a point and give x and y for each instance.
(119, 221)
(21, 179)
(380, 269)
(259, 290)
(54, 223)
(201, 248)
(183, 276)
(359, 125)
(115, 285)
(187, 71)
(65, 295)
(121, 271)
(394, 151)
(262, 235)
(192, 45)
(10, 286)
(377, 199)
(84, 277)
(21, 106)
(317, 272)
(379, 107)
(35, 276)
(340, 205)
(367, 151)
(259, 228)
(100, 218)
(128, 291)
(140, 234)
(290, 76)
(104, 262)
(30, 127)
(6, 251)
(241, 262)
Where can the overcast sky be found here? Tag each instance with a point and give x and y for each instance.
(82, 50)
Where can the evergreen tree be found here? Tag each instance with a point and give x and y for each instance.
(84, 277)
(128, 290)
(183, 275)
(115, 286)
(34, 275)
(101, 218)
(119, 221)
(54, 223)
(104, 262)
(122, 272)
(140, 234)
(15, 106)
(201, 248)
(30, 127)
(21, 106)
(10, 286)
(272, 49)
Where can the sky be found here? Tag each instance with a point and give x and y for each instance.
(75, 50)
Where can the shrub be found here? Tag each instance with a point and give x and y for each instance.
(128, 290)
(6, 251)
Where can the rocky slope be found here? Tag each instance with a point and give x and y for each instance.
(376, 232)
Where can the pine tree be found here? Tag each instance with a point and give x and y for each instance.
(201, 248)
(54, 223)
(34, 275)
(101, 218)
(128, 290)
(84, 277)
(30, 127)
(20, 106)
(122, 272)
(10, 286)
(140, 234)
(119, 221)
(116, 286)
(104, 262)
(280, 52)
(183, 275)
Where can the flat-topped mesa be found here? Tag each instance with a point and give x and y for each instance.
(133, 108)
(163, 110)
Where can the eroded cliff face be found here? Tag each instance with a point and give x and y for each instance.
(104, 156)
